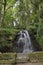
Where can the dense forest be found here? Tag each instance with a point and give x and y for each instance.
(16, 15)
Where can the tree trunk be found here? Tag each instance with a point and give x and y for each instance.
(0, 12)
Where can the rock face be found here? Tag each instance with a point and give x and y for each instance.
(26, 43)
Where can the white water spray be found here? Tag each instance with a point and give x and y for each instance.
(25, 42)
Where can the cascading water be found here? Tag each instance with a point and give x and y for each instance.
(24, 42)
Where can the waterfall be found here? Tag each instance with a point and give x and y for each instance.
(24, 42)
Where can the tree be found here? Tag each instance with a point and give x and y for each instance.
(0, 12)
(22, 14)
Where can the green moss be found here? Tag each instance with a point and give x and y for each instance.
(8, 58)
(35, 57)
(12, 57)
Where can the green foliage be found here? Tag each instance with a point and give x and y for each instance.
(26, 14)
(6, 39)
